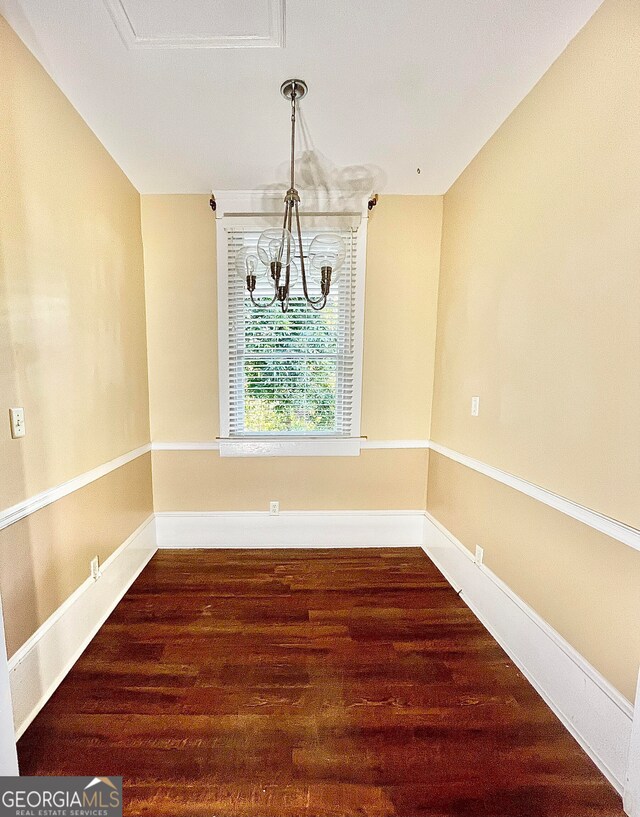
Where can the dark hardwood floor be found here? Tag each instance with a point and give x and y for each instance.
(287, 682)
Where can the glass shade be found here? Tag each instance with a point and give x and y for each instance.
(275, 245)
(327, 250)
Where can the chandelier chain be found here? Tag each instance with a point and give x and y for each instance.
(293, 134)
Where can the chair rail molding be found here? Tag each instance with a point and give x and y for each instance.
(15, 513)
(605, 524)
(610, 527)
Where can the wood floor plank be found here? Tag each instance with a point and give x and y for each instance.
(326, 683)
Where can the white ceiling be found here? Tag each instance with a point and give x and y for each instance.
(185, 93)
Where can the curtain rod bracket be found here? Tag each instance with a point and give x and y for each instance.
(372, 201)
(212, 203)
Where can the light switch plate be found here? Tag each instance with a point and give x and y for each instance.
(475, 405)
(16, 419)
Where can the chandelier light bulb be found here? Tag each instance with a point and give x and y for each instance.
(274, 250)
(247, 264)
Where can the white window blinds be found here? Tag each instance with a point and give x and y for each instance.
(293, 373)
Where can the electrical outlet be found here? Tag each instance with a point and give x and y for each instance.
(274, 507)
(479, 555)
(475, 405)
(16, 419)
(95, 568)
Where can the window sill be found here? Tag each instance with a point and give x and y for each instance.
(293, 447)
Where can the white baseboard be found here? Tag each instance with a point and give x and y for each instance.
(592, 710)
(632, 782)
(8, 754)
(40, 665)
(290, 529)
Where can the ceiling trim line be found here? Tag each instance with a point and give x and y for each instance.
(132, 40)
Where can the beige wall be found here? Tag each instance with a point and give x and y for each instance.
(180, 275)
(179, 239)
(403, 266)
(72, 323)
(539, 314)
(384, 479)
(72, 341)
(540, 289)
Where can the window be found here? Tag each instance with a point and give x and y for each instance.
(290, 382)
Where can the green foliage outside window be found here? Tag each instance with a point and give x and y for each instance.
(290, 369)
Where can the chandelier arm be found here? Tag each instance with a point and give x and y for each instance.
(287, 280)
(318, 305)
(284, 225)
(311, 301)
(263, 305)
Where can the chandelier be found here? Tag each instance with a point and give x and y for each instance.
(277, 247)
